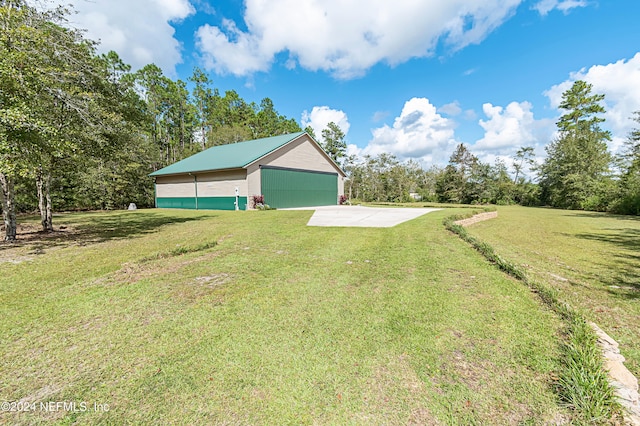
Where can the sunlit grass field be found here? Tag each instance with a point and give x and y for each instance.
(592, 259)
(185, 317)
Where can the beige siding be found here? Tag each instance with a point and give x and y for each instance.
(253, 180)
(175, 186)
(222, 184)
(299, 154)
(340, 185)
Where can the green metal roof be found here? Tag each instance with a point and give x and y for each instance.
(231, 156)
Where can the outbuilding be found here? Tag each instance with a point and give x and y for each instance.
(288, 171)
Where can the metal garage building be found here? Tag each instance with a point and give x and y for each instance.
(288, 170)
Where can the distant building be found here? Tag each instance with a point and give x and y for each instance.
(288, 170)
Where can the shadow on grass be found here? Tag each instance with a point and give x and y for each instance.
(596, 215)
(91, 228)
(624, 277)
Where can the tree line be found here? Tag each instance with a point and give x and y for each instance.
(79, 130)
(578, 171)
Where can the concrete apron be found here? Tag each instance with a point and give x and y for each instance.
(360, 216)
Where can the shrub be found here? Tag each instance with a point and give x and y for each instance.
(343, 200)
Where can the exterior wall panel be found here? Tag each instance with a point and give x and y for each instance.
(175, 186)
(220, 184)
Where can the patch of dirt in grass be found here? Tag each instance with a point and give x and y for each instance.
(223, 238)
(471, 374)
(132, 272)
(95, 323)
(41, 394)
(480, 375)
(392, 389)
(422, 416)
(31, 241)
(213, 280)
(201, 286)
(32, 232)
(15, 259)
(558, 277)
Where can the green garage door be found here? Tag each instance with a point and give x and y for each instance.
(284, 188)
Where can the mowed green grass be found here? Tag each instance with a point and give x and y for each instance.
(184, 317)
(593, 259)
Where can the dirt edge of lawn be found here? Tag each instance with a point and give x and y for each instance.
(476, 218)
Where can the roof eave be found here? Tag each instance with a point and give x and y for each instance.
(193, 172)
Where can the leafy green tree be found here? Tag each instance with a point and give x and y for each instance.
(119, 175)
(268, 122)
(353, 171)
(334, 143)
(231, 119)
(452, 184)
(575, 173)
(582, 109)
(230, 133)
(627, 200)
(202, 99)
(310, 131)
(53, 101)
(22, 72)
(524, 156)
(427, 183)
(499, 186)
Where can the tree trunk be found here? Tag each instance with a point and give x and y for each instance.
(8, 207)
(49, 203)
(43, 184)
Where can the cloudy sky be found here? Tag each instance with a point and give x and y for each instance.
(411, 78)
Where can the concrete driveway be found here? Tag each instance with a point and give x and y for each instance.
(360, 216)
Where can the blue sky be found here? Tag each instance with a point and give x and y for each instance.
(404, 77)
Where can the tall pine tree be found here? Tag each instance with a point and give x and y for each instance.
(575, 174)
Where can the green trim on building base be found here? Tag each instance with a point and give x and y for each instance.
(204, 203)
(176, 203)
(221, 203)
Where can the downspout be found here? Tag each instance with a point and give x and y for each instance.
(155, 193)
(195, 184)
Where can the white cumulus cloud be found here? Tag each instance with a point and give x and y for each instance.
(320, 116)
(419, 133)
(545, 6)
(452, 108)
(620, 83)
(506, 127)
(346, 37)
(139, 31)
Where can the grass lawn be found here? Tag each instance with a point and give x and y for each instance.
(593, 259)
(185, 317)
